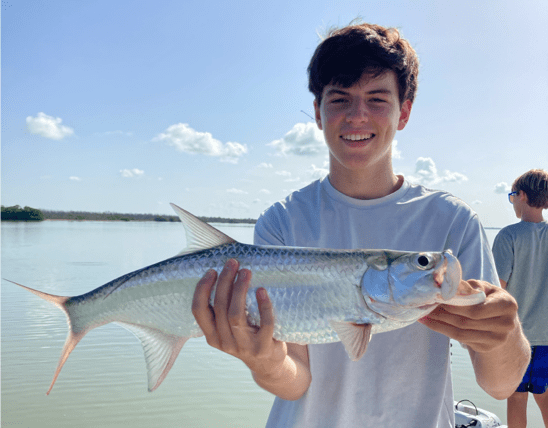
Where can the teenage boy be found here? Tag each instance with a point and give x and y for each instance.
(364, 79)
(521, 257)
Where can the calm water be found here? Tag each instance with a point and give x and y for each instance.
(104, 382)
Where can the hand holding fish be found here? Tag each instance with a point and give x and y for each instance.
(226, 328)
(225, 325)
(483, 327)
(492, 332)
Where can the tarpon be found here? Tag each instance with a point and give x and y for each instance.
(318, 295)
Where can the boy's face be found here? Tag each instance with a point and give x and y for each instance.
(359, 123)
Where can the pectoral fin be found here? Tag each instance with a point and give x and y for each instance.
(355, 337)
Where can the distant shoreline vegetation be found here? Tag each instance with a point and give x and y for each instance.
(16, 213)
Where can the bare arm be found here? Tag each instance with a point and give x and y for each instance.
(503, 283)
(280, 368)
(492, 333)
(293, 380)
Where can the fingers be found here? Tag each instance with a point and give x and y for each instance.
(266, 313)
(200, 306)
(225, 323)
(483, 327)
(466, 288)
(498, 303)
(478, 340)
(236, 309)
(221, 305)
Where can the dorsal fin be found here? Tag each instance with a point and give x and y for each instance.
(199, 235)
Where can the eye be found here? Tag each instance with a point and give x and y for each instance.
(424, 261)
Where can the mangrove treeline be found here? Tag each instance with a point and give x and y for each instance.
(16, 213)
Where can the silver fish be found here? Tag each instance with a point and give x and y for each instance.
(318, 295)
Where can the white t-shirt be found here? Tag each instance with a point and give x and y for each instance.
(404, 379)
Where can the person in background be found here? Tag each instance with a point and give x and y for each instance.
(521, 257)
(364, 80)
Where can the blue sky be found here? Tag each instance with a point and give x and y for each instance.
(126, 106)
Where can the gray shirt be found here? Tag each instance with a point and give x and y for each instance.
(521, 257)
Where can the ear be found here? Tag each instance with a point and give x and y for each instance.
(405, 112)
(317, 115)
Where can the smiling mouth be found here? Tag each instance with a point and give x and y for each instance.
(357, 137)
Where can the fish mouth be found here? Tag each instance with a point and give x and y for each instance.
(449, 274)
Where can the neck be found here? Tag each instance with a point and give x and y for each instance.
(366, 186)
(532, 215)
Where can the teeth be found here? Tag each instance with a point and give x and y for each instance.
(355, 137)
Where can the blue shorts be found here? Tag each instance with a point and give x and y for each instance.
(536, 376)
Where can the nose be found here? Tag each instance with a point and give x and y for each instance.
(358, 112)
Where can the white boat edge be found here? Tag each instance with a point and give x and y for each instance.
(467, 413)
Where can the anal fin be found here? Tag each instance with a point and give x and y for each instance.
(161, 351)
(354, 337)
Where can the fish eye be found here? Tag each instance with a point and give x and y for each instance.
(424, 261)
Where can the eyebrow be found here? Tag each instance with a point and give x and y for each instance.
(336, 91)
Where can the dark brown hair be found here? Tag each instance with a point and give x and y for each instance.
(347, 53)
(535, 185)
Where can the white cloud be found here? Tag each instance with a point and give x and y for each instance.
(283, 173)
(503, 187)
(265, 165)
(238, 205)
(48, 127)
(237, 191)
(185, 139)
(304, 139)
(317, 172)
(477, 202)
(129, 173)
(265, 191)
(427, 173)
(74, 178)
(292, 180)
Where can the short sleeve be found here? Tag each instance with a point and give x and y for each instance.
(470, 245)
(503, 251)
(268, 230)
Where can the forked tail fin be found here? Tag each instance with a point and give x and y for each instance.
(73, 337)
